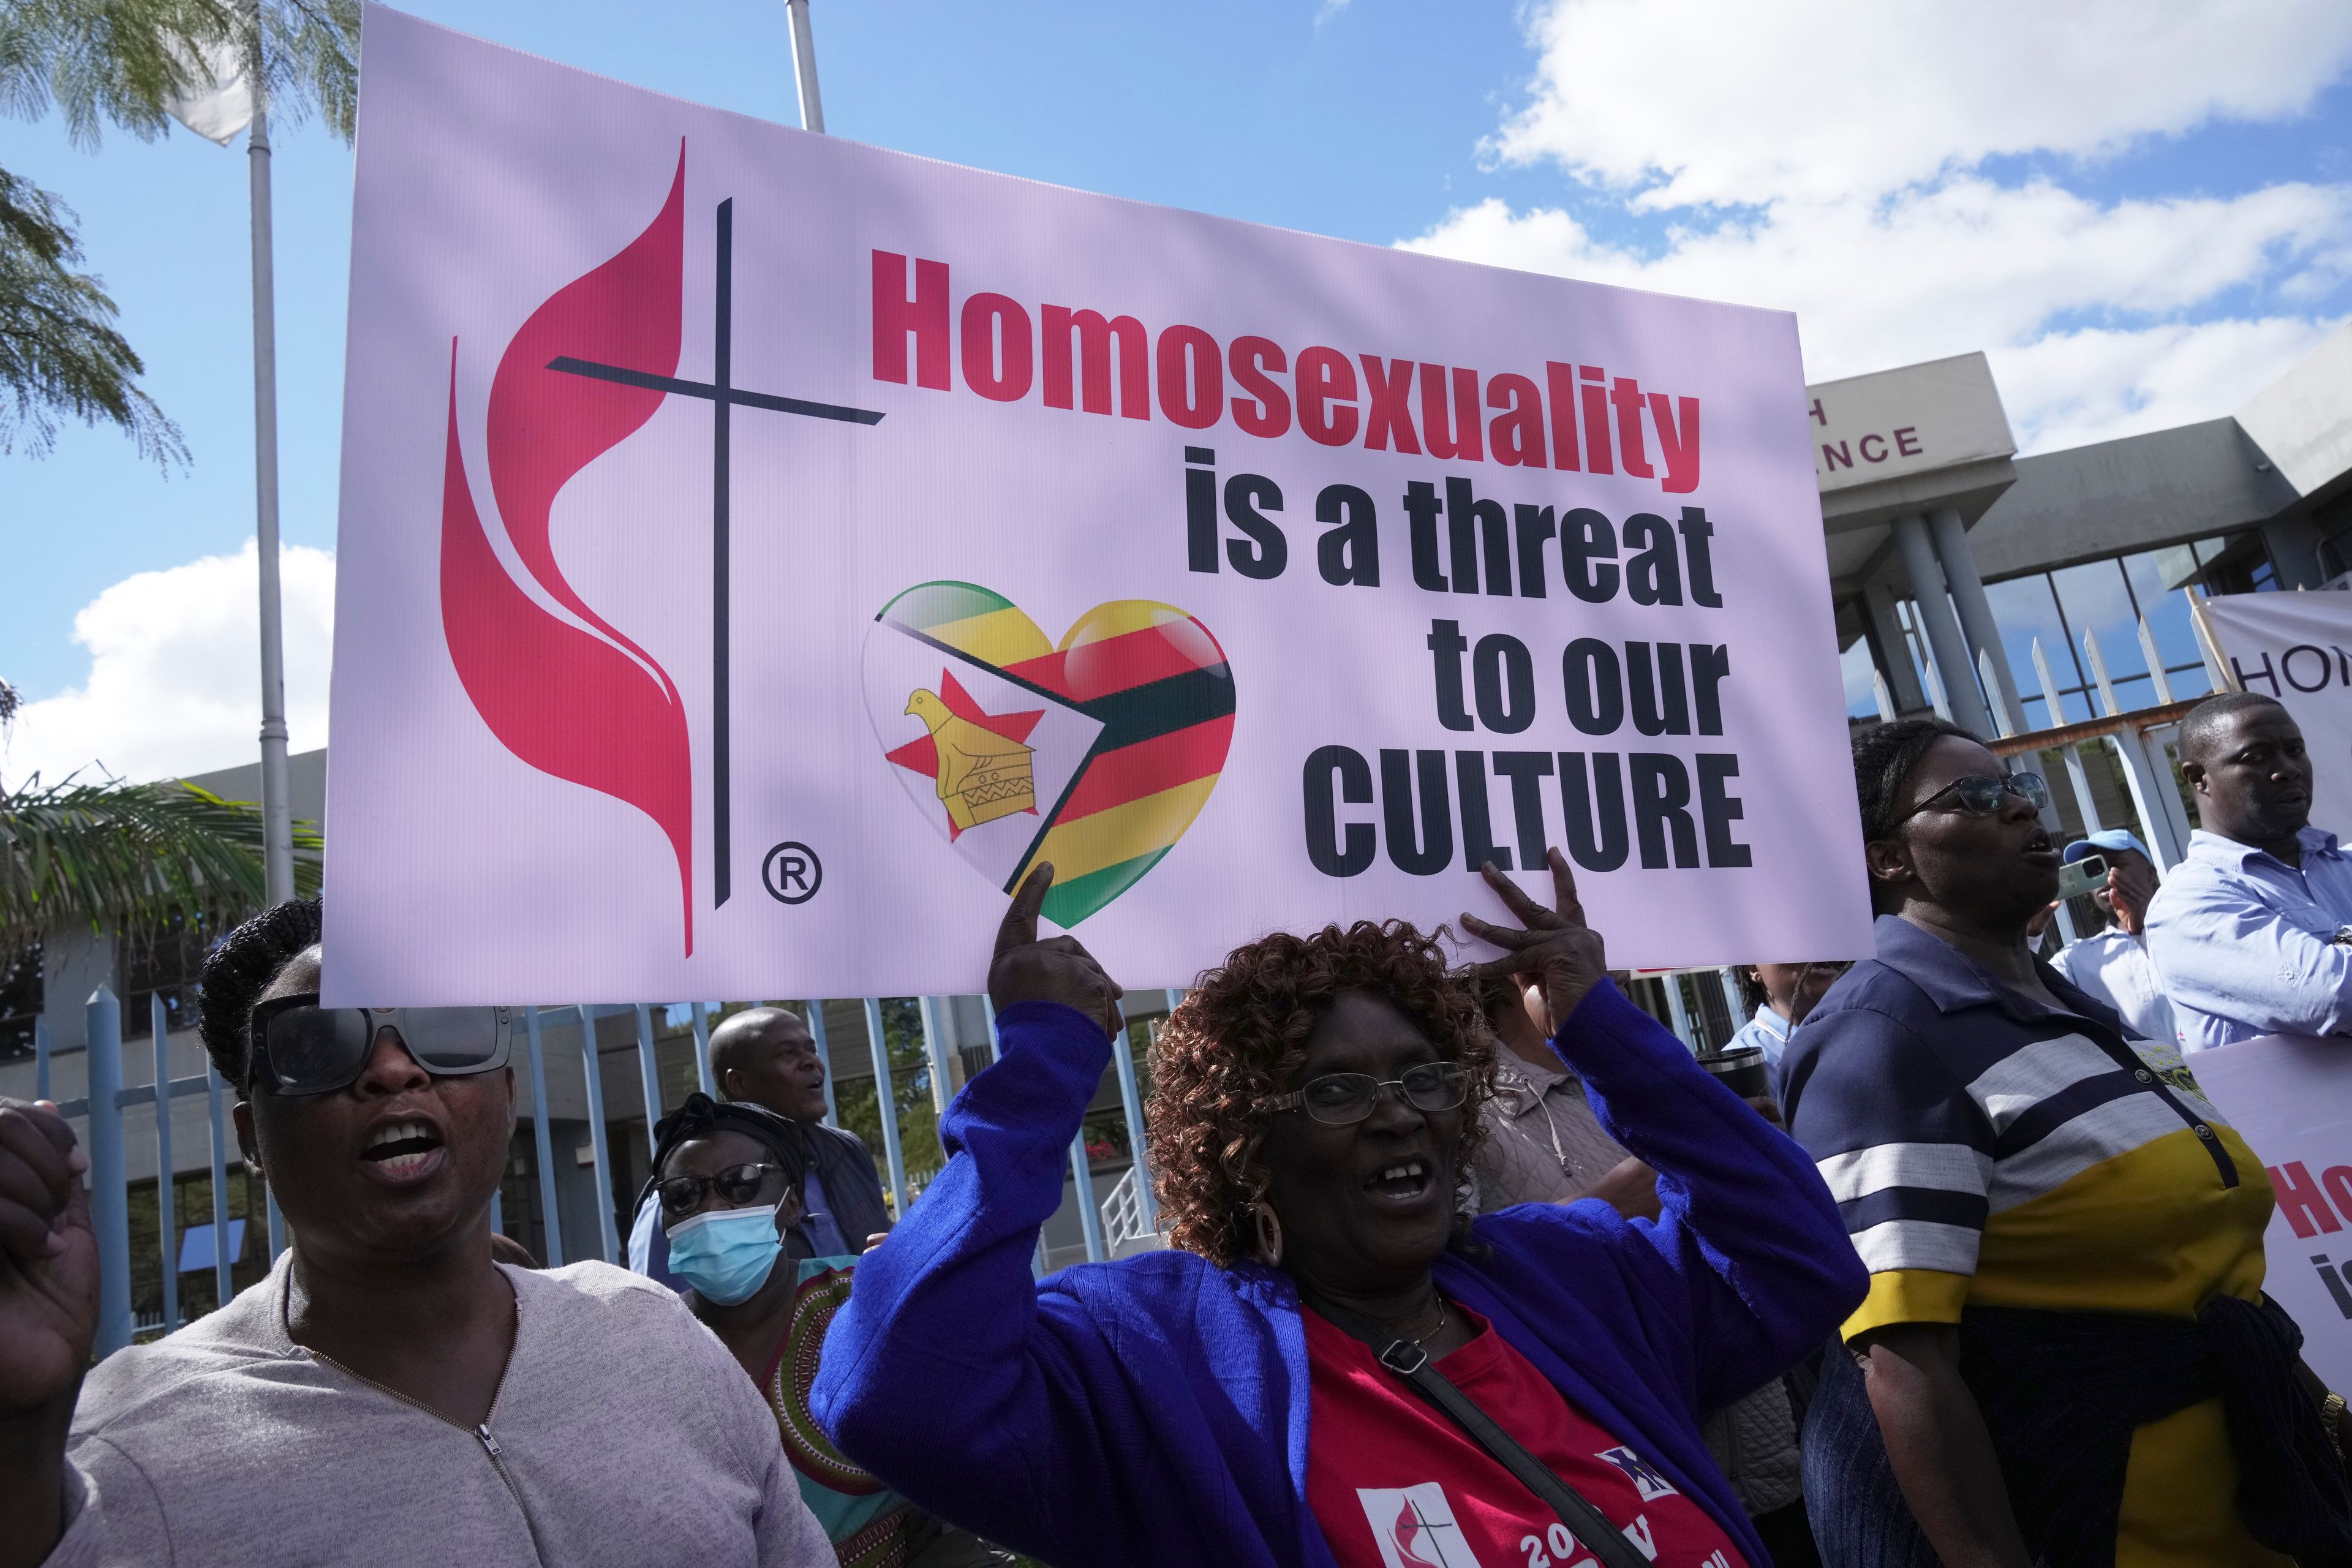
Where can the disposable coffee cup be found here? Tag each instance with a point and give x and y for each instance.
(1742, 1071)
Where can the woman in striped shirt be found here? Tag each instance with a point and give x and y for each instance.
(2065, 1357)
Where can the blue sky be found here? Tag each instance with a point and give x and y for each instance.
(2143, 223)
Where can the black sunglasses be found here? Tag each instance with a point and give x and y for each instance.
(737, 1185)
(299, 1047)
(1343, 1098)
(1980, 794)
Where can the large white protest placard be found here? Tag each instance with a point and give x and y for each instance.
(2292, 1097)
(2297, 647)
(758, 548)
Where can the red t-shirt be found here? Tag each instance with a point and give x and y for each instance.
(1395, 1484)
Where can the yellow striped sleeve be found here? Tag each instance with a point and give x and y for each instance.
(1910, 1296)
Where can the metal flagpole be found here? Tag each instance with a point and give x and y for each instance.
(276, 812)
(804, 66)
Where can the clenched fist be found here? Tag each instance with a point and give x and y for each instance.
(49, 1258)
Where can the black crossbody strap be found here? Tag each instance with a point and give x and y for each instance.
(1410, 1361)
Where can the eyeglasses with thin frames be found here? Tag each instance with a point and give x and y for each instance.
(1343, 1098)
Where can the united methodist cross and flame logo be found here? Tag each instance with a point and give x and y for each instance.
(1095, 753)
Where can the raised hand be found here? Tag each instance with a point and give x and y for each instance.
(49, 1260)
(1554, 947)
(1058, 969)
(2129, 888)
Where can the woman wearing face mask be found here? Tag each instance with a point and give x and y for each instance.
(388, 1393)
(728, 1176)
(1335, 1366)
(2066, 1356)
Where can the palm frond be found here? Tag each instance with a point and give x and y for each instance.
(60, 355)
(120, 62)
(125, 856)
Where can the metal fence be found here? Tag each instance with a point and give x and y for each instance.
(101, 1109)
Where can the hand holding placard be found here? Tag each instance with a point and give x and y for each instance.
(1556, 947)
(1058, 969)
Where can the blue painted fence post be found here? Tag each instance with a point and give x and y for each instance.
(702, 1050)
(551, 1222)
(886, 1105)
(1089, 1216)
(648, 1071)
(224, 1286)
(110, 1201)
(1678, 1011)
(591, 1063)
(824, 1058)
(1131, 1099)
(166, 1227)
(935, 1047)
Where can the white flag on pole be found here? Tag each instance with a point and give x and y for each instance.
(219, 110)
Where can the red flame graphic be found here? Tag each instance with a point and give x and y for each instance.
(1405, 1536)
(566, 701)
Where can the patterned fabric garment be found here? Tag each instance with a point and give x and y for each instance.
(1988, 1151)
(867, 1523)
(1545, 1145)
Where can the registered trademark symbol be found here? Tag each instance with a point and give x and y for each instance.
(792, 873)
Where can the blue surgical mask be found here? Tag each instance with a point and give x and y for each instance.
(726, 1255)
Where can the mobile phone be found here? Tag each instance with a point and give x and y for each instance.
(2084, 876)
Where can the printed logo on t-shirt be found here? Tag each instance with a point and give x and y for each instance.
(1414, 1527)
(2167, 1062)
(1646, 1480)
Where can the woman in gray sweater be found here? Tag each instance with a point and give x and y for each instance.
(387, 1395)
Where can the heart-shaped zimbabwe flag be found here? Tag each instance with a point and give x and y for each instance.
(1095, 753)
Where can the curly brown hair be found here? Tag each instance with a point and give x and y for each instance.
(1241, 1036)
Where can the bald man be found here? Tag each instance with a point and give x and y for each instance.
(766, 1057)
(2251, 933)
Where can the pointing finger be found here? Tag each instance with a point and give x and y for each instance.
(1020, 927)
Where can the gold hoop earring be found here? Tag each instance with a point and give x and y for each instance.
(1269, 1233)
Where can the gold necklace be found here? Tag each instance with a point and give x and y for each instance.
(1423, 1338)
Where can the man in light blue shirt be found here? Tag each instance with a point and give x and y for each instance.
(2252, 932)
(2113, 965)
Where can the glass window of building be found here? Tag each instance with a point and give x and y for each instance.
(2107, 599)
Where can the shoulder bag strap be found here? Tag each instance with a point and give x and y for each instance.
(1410, 1361)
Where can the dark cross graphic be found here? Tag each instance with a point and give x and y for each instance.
(724, 397)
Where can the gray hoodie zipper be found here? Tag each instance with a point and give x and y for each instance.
(480, 1432)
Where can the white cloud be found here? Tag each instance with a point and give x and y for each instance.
(174, 683)
(2071, 388)
(1730, 101)
(1970, 264)
(1823, 157)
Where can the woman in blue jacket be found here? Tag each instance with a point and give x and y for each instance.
(1221, 1403)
